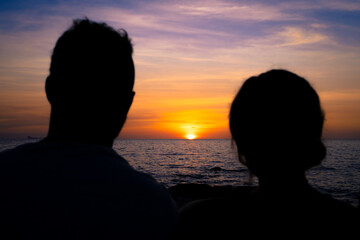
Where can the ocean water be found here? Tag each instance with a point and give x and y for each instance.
(215, 162)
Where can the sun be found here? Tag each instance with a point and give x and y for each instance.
(190, 136)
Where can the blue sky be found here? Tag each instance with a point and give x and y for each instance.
(194, 54)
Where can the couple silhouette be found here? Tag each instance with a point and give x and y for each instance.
(72, 185)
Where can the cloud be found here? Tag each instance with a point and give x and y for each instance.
(349, 5)
(236, 11)
(307, 5)
(292, 36)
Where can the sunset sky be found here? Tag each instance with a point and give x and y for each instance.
(191, 57)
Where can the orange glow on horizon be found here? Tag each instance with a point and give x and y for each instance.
(193, 123)
(190, 136)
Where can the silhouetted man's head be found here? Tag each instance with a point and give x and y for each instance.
(90, 86)
(276, 121)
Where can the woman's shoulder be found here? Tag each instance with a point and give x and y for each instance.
(208, 204)
(216, 217)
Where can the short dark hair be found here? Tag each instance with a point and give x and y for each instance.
(89, 52)
(278, 113)
(90, 86)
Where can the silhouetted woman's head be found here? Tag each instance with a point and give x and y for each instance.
(276, 122)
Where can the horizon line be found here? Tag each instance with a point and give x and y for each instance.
(116, 139)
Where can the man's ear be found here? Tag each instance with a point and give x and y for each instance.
(50, 89)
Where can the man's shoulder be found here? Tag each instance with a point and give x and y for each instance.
(17, 153)
(83, 178)
(78, 162)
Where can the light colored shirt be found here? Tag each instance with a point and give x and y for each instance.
(80, 191)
